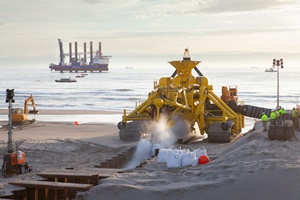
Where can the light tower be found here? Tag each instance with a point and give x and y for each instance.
(278, 63)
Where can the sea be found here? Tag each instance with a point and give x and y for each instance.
(123, 88)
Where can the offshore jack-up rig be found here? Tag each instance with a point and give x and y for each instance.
(78, 61)
(193, 100)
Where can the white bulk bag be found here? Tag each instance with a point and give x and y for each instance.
(174, 159)
(189, 158)
(199, 152)
(162, 155)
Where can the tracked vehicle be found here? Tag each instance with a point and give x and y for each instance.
(191, 98)
(20, 116)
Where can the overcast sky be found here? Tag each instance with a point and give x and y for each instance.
(30, 28)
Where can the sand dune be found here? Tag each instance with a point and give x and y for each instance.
(252, 167)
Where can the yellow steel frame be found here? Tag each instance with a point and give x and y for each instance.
(187, 95)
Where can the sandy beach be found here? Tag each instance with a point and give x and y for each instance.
(252, 167)
(60, 145)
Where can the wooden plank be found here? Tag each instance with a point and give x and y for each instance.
(92, 178)
(46, 194)
(102, 172)
(20, 193)
(66, 175)
(52, 185)
(7, 195)
(6, 199)
(55, 194)
(36, 194)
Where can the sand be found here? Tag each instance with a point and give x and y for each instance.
(60, 145)
(252, 167)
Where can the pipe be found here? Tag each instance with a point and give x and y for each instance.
(76, 56)
(253, 111)
(100, 47)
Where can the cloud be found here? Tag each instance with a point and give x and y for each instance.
(155, 9)
(133, 23)
(218, 6)
(191, 33)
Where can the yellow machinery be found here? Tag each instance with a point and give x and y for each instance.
(20, 116)
(191, 98)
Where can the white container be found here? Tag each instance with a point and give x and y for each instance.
(19, 154)
(189, 158)
(174, 159)
(162, 155)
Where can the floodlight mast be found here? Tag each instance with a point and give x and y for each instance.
(278, 63)
(10, 99)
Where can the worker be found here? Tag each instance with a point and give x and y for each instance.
(272, 117)
(294, 117)
(283, 115)
(279, 116)
(264, 119)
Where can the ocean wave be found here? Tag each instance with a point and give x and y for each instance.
(123, 90)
